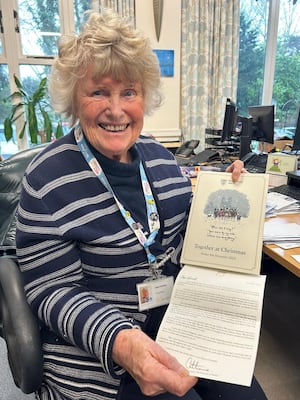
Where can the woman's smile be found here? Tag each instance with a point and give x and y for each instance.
(117, 108)
(113, 128)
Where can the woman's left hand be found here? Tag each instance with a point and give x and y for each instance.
(152, 367)
(236, 169)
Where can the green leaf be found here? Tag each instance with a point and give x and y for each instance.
(15, 94)
(47, 125)
(43, 82)
(32, 123)
(41, 91)
(17, 82)
(38, 95)
(20, 86)
(16, 107)
(21, 134)
(59, 131)
(8, 131)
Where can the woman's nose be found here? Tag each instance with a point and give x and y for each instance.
(115, 107)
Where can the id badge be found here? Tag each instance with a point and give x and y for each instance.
(155, 292)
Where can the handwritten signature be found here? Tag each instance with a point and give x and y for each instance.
(195, 365)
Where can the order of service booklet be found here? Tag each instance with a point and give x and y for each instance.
(212, 323)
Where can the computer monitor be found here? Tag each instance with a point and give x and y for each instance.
(245, 135)
(229, 121)
(296, 142)
(262, 123)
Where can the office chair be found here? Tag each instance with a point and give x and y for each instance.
(18, 326)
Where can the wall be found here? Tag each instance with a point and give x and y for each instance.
(164, 124)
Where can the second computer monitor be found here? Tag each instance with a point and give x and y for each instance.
(263, 123)
(245, 136)
(296, 143)
(229, 120)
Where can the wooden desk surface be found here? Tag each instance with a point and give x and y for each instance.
(284, 257)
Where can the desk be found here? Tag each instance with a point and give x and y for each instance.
(172, 146)
(284, 257)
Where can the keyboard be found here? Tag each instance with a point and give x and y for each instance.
(255, 163)
(256, 169)
(288, 190)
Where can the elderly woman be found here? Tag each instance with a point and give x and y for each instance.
(100, 209)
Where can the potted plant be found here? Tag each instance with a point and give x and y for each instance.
(36, 108)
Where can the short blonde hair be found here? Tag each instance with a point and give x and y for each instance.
(115, 49)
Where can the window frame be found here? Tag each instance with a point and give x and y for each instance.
(12, 55)
(270, 55)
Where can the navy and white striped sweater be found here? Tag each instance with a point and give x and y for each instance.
(81, 262)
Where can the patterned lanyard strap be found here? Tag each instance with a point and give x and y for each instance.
(152, 214)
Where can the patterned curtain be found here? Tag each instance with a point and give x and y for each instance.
(210, 46)
(125, 8)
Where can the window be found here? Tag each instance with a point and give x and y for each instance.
(80, 6)
(33, 27)
(269, 65)
(6, 148)
(39, 27)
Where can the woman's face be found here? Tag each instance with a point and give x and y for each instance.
(111, 114)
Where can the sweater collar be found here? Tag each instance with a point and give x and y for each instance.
(116, 168)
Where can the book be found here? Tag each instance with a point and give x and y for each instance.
(212, 323)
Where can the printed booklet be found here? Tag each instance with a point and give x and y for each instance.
(212, 323)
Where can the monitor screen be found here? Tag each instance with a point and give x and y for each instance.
(262, 123)
(245, 136)
(229, 120)
(296, 143)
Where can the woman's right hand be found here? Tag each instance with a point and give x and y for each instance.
(153, 368)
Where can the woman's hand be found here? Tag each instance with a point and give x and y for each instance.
(153, 368)
(236, 169)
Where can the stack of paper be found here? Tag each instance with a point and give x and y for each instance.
(278, 203)
(279, 232)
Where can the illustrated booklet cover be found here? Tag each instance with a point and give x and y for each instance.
(212, 323)
(225, 227)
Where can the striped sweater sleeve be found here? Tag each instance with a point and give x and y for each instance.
(55, 284)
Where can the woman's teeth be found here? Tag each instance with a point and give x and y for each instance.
(114, 128)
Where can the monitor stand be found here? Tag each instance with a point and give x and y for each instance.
(245, 146)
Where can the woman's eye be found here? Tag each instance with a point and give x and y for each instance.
(129, 93)
(98, 93)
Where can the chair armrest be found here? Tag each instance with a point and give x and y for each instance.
(19, 328)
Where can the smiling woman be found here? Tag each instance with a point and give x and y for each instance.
(103, 209)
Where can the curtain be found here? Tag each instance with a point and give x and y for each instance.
(125, 8)
(209, 64)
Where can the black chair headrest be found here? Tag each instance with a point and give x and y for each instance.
(11, 174)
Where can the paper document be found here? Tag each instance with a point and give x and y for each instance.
(212, 324)
(213, 320)
(276, 230)
(278, 203)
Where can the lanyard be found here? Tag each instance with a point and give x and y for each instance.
(152, 214)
